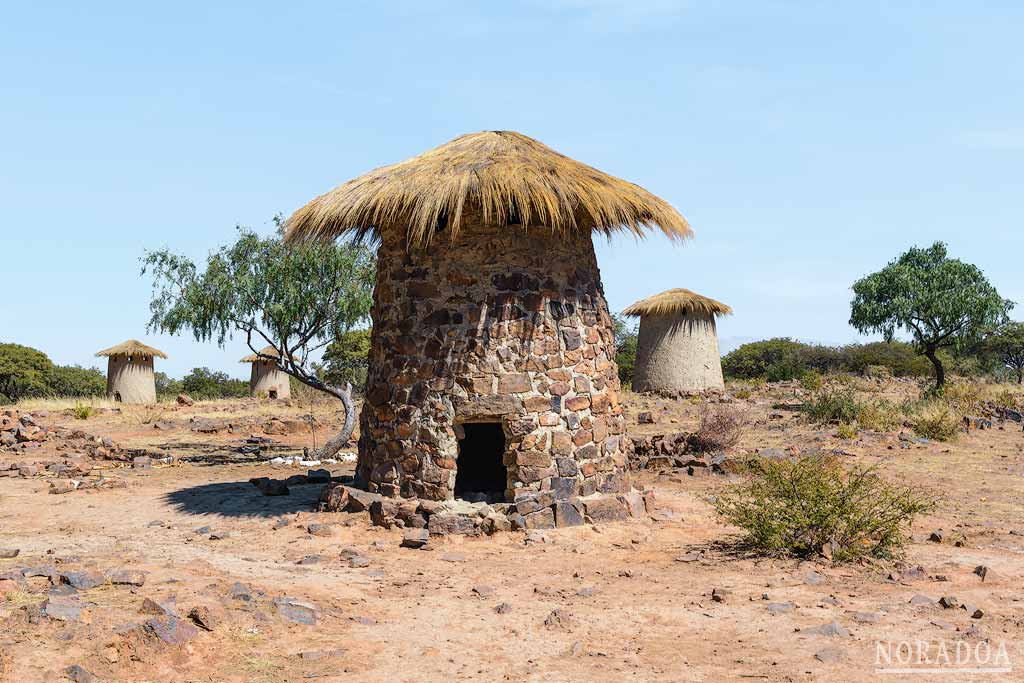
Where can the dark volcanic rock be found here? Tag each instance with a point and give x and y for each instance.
(170, 630)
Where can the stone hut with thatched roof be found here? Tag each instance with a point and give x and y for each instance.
(677, 348)
(267, 380)
(492, 363)
(130, 377)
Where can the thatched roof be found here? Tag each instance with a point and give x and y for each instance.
(507, 177)
(677, 302)
(265, 351)
(132, 347)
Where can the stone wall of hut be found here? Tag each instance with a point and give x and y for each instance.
(503, 324)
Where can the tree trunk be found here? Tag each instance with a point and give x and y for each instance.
(940, 372)
(1020, 375)
(335, 443)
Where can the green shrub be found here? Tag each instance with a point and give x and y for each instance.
(880, 415)
(166, 387)
(963, 397)
(936, 419)
(24, 373)
(847, 431)
(625, 348)
(346, 360)
(801, 507)
(204, 383)
(73, 381)
(81, 411)
(811, 380)
(777, 359)
(833, 406)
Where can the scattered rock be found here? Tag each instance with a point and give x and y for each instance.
(973, 611)
(320, 529)
(558, 619)
(922, 601)
(126, 577)
(415, 538)
(830, 655)
(719, 594)
(949, 602)
(62, 609)
(84, 580)
(78, 674)
(937, 536)
(170, 630)
(831, 629)
(645, 418)
(202, 617)
(780, 607)
(9, 553)
(814, 579)
(984, 572)
(333, 498)
(270, 487)
(295, 611)
(483, 591)
(184, 400)
(867, 617)
(151, 606)
(503, 608)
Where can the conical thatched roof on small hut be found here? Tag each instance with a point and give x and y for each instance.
(677, 301)
(262, 355)
(505, 177)
(132, 347)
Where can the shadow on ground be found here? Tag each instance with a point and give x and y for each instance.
(242, 499)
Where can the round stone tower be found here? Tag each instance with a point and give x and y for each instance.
(492, 362)
(130, 376)
(677, 347)
(267, 380)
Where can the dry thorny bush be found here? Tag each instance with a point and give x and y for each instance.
(720, 428)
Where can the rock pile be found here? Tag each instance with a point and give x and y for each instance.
(531, 510)
(674, 451)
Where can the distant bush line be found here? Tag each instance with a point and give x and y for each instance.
(785, 359)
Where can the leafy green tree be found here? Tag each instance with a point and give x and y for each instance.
(941, 302)
(346, 359)
(74, 380)
(625, 348)
(24, 372)
(1007, 344)
(165, 385)
(296, 298)
(205, 383)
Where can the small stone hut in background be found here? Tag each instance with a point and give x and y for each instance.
(677, 348)
(267, 380)
(130, 377)
(492, 369)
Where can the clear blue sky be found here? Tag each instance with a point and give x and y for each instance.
(807, 142)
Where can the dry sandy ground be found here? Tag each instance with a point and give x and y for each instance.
(620, 602)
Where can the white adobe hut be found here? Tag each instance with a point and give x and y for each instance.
(677, 348)
(130, 377)
(267, 380)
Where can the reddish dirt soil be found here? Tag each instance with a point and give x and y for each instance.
(628, 601)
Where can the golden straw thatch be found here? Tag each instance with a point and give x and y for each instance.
(509, 178)
(678, 302)
(132, 347)
(265, 351)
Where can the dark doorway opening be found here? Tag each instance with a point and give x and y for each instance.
(273, 393)
(117, 396)
(481, 473)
